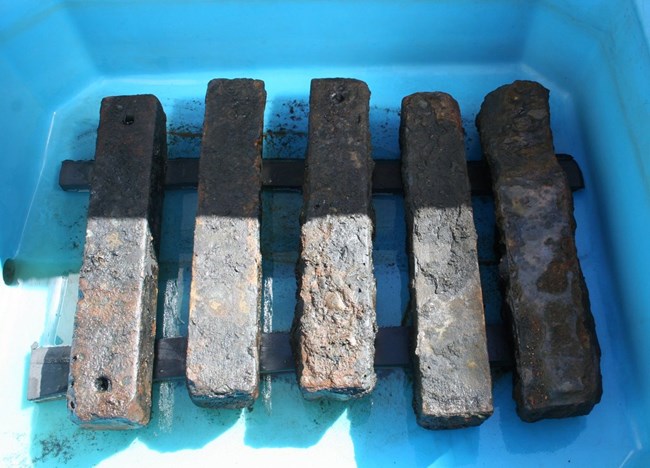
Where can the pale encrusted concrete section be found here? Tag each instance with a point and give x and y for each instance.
(556, 349)
(115, 324)
(335, 324)
(224, 322)
(451, 370)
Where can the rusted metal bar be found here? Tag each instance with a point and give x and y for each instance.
(452, 384)
(182, 173)
(335, 324)
(224, 318)
(556, 349)
(113, 338)
(49, 366)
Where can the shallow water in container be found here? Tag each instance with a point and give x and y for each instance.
(282, 428)
(358, 428)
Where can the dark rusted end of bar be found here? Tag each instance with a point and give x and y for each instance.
(334, 327)
(112, 348)
(555, 345)
(451, 371)
(224, 326)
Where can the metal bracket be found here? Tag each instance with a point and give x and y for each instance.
(48, 368)
(183, 173)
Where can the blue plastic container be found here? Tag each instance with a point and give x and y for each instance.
(59, 58)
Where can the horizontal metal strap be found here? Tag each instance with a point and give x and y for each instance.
(182, 173)
(49, 366)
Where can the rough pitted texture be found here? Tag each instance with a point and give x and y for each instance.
(335, 326)
(452, 384)
(556, 350)
(224, 328)
(112, 345)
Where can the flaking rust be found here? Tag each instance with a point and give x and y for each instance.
(451, 370)
(335, 325)
(556, 349)
(225, 297)
(112, 346)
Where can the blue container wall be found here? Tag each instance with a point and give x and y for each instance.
(42, 62)
(258, 35)
(58, 58)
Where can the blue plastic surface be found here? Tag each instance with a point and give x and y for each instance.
(59, 58)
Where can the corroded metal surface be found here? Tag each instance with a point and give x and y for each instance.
(335, 325)
(224, 327)
(114, 330)
(452, 384)
(49, 366)
(556, 350)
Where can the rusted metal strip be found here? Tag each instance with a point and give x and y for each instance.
(182, 173)
(224, 318)
(113, 338)
(48, 373)
(48, 369)
(335, 324)
(556, 349)
(452, 384)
